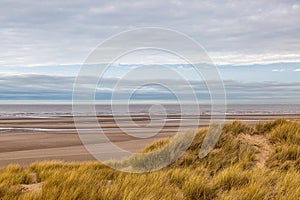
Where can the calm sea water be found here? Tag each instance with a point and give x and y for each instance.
(41, 111)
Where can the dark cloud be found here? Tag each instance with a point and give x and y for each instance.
(46, 87)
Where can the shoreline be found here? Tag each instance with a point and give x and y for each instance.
(59, 139)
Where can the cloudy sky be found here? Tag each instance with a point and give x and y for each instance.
(255, 44)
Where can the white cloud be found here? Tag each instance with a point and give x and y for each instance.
(297, 70)
(278, 70)
(65, 32)
(103, 10)
(235, 58)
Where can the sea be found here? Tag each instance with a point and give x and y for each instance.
(51, 110)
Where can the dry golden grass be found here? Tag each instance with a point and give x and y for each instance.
(230, 171)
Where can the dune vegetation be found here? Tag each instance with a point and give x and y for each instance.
(248, 162)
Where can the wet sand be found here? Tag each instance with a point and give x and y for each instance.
(26, 140)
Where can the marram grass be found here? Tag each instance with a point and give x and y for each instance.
(238, 168)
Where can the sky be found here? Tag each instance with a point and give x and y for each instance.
(255, 45)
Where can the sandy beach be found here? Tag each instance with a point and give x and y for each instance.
(26, 140)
